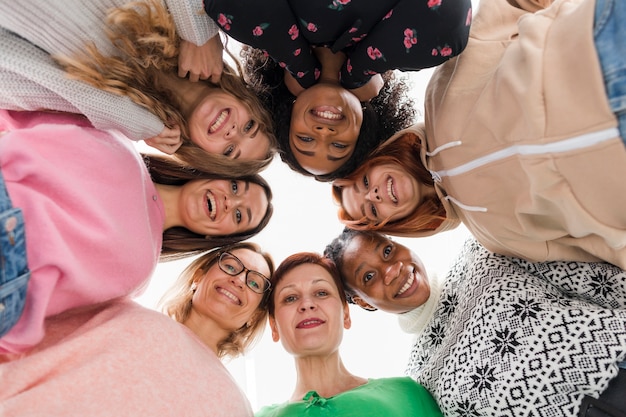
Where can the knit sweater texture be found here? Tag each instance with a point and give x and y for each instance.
(31, 80)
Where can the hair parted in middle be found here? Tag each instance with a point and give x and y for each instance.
(304, 258)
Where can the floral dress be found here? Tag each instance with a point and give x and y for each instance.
(375, 35)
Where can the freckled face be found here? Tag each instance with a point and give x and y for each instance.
(221, 124)
(385, 274)
(325, 125)
(384, 192)
(226, 299)
(222, 207)
(309, 315)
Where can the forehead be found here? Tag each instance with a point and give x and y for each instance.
(307, 273)
(317, 163)
(252, 260)
(363, 245)
(256, 191)
(256, 149)
(352, 202)
(257, 199)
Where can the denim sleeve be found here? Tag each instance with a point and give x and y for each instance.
(14, 273)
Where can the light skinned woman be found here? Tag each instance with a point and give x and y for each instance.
(126, 55)
(308, 313)
(531, 173)
(222, 297)
(498, 326)
(86, 218)
(178, 358)
(330, 57)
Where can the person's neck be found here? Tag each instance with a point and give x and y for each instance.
(206, 330)
(187, 94)
(330, 65)
(325, 375)
(169, 196)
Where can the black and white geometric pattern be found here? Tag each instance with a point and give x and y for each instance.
(514, 338)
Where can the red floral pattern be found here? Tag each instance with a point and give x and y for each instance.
(399, 33)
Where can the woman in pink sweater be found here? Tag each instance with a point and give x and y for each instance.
(93, 220)
(132, 361)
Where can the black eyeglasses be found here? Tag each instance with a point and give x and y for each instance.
(256, 281)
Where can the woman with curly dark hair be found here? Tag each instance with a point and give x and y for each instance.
(328, 60)
(390, 111)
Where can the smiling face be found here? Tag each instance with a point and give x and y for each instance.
(221, 124)
(309, 315)
(325, 125)
(384, 192)
(385, 274)
(221, 207)
(224, 299)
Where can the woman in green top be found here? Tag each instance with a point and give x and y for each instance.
(308, 312)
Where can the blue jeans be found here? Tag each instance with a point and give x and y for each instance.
(610, 39)
(14, 273)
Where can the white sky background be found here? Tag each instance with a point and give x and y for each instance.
(305, 219)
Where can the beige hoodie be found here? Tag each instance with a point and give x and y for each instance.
(521, 140)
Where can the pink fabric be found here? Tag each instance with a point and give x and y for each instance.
(93, 219)
(119, 359)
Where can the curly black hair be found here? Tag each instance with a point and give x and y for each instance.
(389, 112)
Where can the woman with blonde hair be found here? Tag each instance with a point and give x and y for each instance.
(127, 58)
(222, 297)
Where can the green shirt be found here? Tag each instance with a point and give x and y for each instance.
(398, 397)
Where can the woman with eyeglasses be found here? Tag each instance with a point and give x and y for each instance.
(222, 297)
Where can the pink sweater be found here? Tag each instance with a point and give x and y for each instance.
(94, 222)
(119, 359)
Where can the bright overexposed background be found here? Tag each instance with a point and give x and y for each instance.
(305, 220)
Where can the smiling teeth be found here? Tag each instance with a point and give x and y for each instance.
(231, 296)
(407, 285)
(327, 115)
(392, 196)
(218, 122)
(211, 205)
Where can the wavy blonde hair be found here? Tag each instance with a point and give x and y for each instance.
(147, 45)
(177, 301)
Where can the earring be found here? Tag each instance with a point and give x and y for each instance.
(194, 286)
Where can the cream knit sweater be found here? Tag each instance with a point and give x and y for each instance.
(31, 80)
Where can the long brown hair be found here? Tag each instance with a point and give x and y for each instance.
(179, 242)
(177, 301)
(144, 36)
(405, 152)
